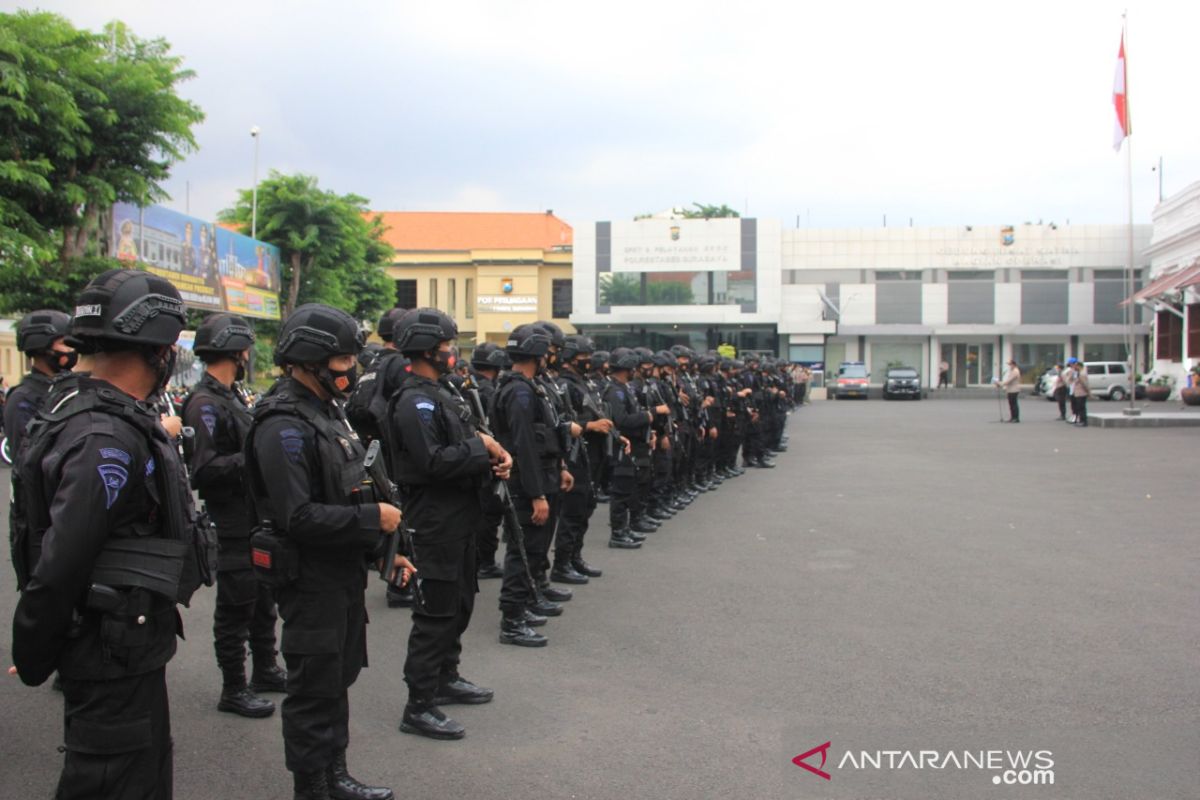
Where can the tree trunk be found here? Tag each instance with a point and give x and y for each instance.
(294, 286)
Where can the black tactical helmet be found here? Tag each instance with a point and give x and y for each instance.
(423, 329)
(490, 356)
(644, 354)
(663, 358)
(38, 330)
(527, 341)
(387, 323)
(706, 363)
(576, 345)
(126, 305)
(223, 333)
(599, 358)
(315, 332)
(624, 358)
(683, 351)
(553, 331)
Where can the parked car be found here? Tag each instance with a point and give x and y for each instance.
(1108, 379)
(1044, 384)
(902, 382)
(851, 380)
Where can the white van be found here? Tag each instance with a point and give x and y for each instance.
(1108, 379)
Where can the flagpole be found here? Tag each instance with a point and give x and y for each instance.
(1130, 307)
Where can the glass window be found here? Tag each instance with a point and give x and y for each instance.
(1093, 351)
(972, 297)
(433, 298)
(1168, 330)
(1095, 369)
(451, 300)
(406, 294)
(677, 288)
(1034, 359)
(469, 300)
(560, 291)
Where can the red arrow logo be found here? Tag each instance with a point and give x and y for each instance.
(822, 749)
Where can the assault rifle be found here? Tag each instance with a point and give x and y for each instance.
(400, 540)
(500, 488)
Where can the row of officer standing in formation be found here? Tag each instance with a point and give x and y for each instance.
(391, 457)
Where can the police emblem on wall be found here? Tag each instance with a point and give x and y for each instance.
(674, 233)
(1006, 235)
(506, 285)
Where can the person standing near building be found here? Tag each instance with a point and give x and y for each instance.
(106, 529)
(487, 361)
(633, 422)
(1058, 389)
(245, 610)
(318, 511)
(1010, 384)
(442, 463)
(526, 427)
(1080, 389)
(40, 337)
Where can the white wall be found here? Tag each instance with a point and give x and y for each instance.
(1008, 304)
(857, 303)
(1081, 303)
(935, 304)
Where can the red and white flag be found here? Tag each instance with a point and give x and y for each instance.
(1120, 100)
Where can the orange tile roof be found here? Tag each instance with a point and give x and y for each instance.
(459, 230)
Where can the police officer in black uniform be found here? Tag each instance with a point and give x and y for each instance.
(525, 426)
(107, 543)
(320, 524)
(441, 462)
(487, 361)
(39, 336)
(245, 610)
(633, 422)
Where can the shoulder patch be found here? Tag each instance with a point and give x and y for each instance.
(150, 467)
(425, 408)
(114, 477)
(292, 441)
(114, 453)
(524, 397)
(208, 415)
(620, 393)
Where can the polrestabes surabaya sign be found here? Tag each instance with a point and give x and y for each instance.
(506, 304)
(662, 245)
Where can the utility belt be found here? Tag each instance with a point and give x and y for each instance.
(149, 563)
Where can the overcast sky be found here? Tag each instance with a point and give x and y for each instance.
(832, 114)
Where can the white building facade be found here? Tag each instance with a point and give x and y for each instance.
(1172, 293)
(970, 296)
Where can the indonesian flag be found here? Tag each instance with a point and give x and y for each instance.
(1120, 100)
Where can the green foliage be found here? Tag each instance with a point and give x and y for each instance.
(53, 284)
(330, 253)
(702, 211)
(618, 289)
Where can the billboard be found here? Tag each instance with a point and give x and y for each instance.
(214, 269)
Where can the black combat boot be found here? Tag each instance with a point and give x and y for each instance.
(423, 718)
(237, 699)
(546, 608)
(623, 540)
(455, 689)
(533, 620)
(344, 786)
(491, 570)
(310, 785)
(583, 567)
(564, 572)
(268, 676)
(641, 526)
(553, 593)
(513, 630)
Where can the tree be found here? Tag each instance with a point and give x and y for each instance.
(620, 290)
(708, 212)
(330, 252)
(669, 293)
(86, 120)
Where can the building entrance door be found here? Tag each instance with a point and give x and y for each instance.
(970, 364)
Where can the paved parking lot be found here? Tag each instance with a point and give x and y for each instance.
(912, 576)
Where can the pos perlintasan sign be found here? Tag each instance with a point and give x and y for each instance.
(214, 269)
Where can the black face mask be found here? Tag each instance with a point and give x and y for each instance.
(163, 368)
(240, 375)
(584, 365)
(552, 360)
(647, 372)
(338, 382)
(62, 362)
(444, 361)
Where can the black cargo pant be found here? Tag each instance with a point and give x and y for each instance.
(324, 645)
(1014, 407)
(441, 614)
(117, 739)
(622, 488)
(515, 591)
(244, 612)
(1060, 397)
(577, 507)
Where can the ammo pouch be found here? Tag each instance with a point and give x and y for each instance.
(276, 561)
(204, 545)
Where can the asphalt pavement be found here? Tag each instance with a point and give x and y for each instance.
(913, 576)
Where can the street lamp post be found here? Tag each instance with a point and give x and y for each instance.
(254, 192)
